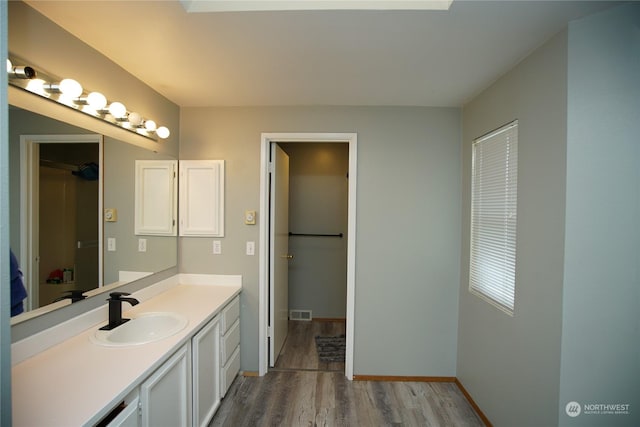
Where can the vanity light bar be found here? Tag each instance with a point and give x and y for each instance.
(70, 93)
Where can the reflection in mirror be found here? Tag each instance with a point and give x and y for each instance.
(72, 246)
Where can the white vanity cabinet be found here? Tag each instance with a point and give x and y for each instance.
(187, 389)
(175, 381)
(165, 397)
(229, 344)
(129, 416)
(205, 347)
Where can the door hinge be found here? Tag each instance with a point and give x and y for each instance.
(270, 167)
(269, 332)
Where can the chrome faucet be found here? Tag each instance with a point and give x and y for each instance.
(115, 309)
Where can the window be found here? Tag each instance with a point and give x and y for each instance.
(493, 216)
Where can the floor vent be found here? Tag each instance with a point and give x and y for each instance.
(300, 315)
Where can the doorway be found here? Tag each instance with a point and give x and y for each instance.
(266, 329)
(317, 265)
(61, 232)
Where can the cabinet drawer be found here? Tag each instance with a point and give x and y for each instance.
(229, 342)
(229, 371)
(229, 315)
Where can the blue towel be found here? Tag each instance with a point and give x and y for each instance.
(88, 171)
(18, 292)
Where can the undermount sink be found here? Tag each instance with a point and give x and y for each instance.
(142, 329)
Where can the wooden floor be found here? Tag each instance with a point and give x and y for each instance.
(299, 350)
(302, 392)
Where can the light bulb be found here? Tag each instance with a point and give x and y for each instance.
(70, 88)
(97, 101)
(9, 66)
(150, 125)
(163, 132)
(135, 119)
(36, 86)
(118, 110)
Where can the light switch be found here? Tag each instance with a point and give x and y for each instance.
(251, 248)
(142, 245)
(111, 244)
(217, 247)
(250, 217)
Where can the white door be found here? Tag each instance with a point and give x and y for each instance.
(278, 252)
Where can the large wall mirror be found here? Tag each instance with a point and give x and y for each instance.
(63, 179)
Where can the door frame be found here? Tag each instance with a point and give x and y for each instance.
(29, 205)
(263, 275)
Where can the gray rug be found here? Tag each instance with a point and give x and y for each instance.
(331, 349)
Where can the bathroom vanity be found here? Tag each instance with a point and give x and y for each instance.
(62, 380)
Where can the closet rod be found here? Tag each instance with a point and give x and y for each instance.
(315, 235)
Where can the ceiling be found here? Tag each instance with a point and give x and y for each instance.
(412, 58)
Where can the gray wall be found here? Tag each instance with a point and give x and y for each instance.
(511, 365)
(318, 196)
(601, 321)
(408, 224)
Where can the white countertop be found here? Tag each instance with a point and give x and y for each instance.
(77, 382)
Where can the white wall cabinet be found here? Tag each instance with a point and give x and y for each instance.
(206, 373)
(155, 197)
(165, 397)
(202, 198)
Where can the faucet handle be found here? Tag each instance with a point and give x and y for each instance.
(117, 295)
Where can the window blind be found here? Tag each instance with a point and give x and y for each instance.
(493, 216)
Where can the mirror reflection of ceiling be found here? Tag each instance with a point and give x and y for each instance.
(118, 193)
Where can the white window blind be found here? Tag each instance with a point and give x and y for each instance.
(493, 216)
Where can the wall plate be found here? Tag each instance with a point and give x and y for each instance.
(111, 215)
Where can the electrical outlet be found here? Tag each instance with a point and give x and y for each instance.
(111, 244)
(217, 247)
(142, 245)
(251, 248)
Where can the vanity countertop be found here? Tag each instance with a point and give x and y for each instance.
(77, 382)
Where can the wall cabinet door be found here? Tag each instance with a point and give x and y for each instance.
(155, 197)
(166, 395)
(202, 198)
(206, 371)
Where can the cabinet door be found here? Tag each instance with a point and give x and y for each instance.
(202, 198)
(155, 197)
(206, 371)
(166, 395)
